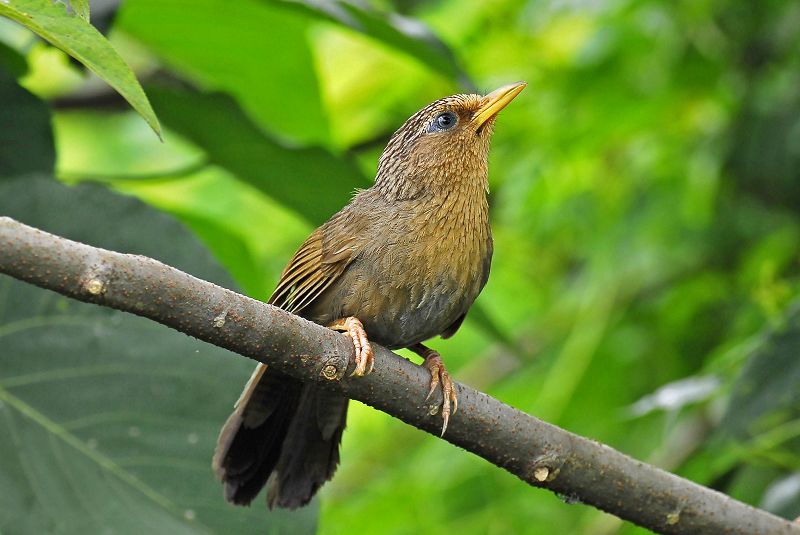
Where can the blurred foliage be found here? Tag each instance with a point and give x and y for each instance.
(645, 205)
(72, 33)
(103, 431)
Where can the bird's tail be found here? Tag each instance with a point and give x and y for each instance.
(283, 432)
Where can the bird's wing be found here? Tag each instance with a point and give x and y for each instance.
(450, 331)
(321, 259)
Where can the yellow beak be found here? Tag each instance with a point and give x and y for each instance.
(495, 101)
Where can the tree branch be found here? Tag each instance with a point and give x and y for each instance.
(536, 452)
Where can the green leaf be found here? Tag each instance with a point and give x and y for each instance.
(310, 181)
(81, 8)
(256, 51)
(11, 60)
(402, 33)
(231, 249)
(75, 36)
(26, 138)
(110, 420)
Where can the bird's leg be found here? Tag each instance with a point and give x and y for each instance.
(353, 328)
(435, 365)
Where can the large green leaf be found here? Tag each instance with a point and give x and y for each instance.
(400, 32)
(75, 36)
(253, 50)
(81, 8)
(310, 181)
(109, 419)
(259, 51)
(12, 61)
(26, 138)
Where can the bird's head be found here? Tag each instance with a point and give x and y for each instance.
(444, 144)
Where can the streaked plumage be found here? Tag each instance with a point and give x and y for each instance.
(407, 257)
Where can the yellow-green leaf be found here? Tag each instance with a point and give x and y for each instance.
(74, 35)
(81, 8)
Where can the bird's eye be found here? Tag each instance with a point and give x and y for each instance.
(444, 121)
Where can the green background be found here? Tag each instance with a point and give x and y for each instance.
(645, 290)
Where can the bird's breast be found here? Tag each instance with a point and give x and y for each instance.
(418, 273)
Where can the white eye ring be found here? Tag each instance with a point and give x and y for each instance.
(444, 121)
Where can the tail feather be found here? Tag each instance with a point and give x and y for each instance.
(250, 442)
(310, 452)
(284, 432)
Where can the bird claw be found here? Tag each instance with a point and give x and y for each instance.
(440, 376)
(353, 328)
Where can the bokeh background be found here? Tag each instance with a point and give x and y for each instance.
(645, 291)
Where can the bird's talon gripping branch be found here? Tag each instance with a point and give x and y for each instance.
(434, 376)
(439, 376)
(353, 328)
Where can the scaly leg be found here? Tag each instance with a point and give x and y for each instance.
(353, 328)
(435, 365)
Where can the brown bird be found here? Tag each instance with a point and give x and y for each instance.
(402, 263)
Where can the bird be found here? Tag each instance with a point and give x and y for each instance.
(402, 263)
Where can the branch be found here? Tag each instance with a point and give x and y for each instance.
(536, 452)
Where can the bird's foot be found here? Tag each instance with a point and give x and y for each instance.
(439, 376)
(353, 328)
